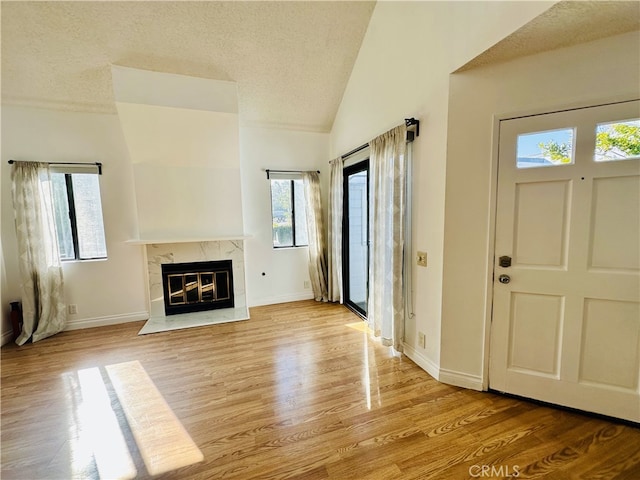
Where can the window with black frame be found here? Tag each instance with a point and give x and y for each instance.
(78, 214)
(288, 212)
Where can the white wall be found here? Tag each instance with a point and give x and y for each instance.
(186, 167)
(285, 270)
(105, 291)
(115, 289)
(587, 74)
(402, 71)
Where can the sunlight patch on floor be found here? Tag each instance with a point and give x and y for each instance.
(97, 435)
(101, 429)
(163, 442)
(361, 326)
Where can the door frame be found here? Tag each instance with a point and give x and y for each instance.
(493, 204)
(360, 166)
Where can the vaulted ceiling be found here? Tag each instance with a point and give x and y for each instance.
(291, 60)
(566, 23)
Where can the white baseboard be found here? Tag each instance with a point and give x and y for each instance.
(294, 297)
(461, 379)
(91, 322)
(422, 361)
(450, 377)
(108, 320)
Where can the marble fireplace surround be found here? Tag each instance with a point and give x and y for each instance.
(177, 251)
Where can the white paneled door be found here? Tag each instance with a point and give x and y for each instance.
(566, 303)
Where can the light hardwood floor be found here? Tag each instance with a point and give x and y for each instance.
(298, 391)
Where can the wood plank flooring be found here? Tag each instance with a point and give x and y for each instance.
(299, 391)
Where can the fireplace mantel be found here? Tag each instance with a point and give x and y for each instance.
(158, 241)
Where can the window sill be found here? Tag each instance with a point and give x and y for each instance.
(83, 260)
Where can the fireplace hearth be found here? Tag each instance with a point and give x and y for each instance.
(197, 286)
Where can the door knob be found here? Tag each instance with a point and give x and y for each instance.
(504, 279)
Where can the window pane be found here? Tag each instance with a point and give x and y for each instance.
(86, 193)
(300, 213)
(358, 236)
(545, 149)
(281, 213)
(63, 221)
(617, 141)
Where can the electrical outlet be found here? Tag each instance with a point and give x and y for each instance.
(307, 284)
(73, 309)
(421, 339)
(421, 259)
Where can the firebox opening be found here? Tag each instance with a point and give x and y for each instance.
(197, 286)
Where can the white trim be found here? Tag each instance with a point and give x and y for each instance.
(158, 241)
(450, 377)
(461, 379)
(422, 361)
(491, 244)
(293, 297)
(566, 107)
(320, 129)
(108, 320)
(91, 322)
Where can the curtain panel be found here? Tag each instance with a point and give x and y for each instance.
(43, 307)
(388, 164)
(335, 231)
(317, 244)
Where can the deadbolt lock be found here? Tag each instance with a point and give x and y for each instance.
(504, 261)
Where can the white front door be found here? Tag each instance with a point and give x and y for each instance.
(566, 312)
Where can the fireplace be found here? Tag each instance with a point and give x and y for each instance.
(197, 286)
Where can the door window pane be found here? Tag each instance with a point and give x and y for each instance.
(545, 149)
(358, 238)
(617, 141)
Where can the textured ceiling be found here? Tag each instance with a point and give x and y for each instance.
(291, 60)
(565, 23)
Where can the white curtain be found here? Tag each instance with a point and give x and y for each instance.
(317, 244)
(335, 231)
(387, 164)
(43, 308)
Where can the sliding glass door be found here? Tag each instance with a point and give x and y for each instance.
(356, 236)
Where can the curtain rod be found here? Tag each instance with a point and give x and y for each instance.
(410, 137)
(96, 164)
(287, 171)
(355, 150)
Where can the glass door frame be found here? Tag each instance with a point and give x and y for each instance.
(361, 166)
